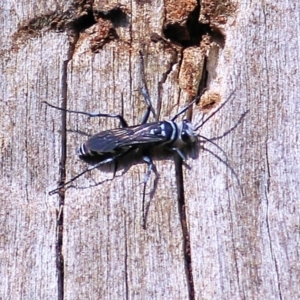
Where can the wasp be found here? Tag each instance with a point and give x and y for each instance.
(111, 145)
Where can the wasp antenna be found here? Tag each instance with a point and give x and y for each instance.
(220, 107)
(184, 109)
(188, 106)
(215, 144)
(230, 129)
(144, 91)
(229, 167)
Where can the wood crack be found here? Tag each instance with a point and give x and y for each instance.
(62, 172)
(185, 232)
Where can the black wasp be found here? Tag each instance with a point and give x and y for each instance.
(111, 145)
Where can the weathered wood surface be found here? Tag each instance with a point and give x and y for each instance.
(29, 156)
(244, 228)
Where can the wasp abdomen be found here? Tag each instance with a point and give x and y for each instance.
(90, 156)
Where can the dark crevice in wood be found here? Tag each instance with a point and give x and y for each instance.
(78, 18)
(181, 199)
(62, 171)
(85, 21)
(59, 256)
(190, 30)
(60, 218)
(127, 283)
(182, 204)
(116, 15)
(185, 232)
(188, 34)
(204, 77)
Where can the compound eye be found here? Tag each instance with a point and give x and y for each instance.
(187, 133)
(185, 136)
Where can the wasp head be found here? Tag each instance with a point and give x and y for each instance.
(186, 133)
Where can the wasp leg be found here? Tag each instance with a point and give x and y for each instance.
(180, 153)
(115, 167)
(123, 123)
(148, 160)
(90, 168)
(145, 92)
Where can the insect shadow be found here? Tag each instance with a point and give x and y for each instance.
(122, 147)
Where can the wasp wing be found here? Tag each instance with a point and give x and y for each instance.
(122, 139)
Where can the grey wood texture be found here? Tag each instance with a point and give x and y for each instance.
(241, 202)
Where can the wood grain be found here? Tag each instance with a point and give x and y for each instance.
(241, 200)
